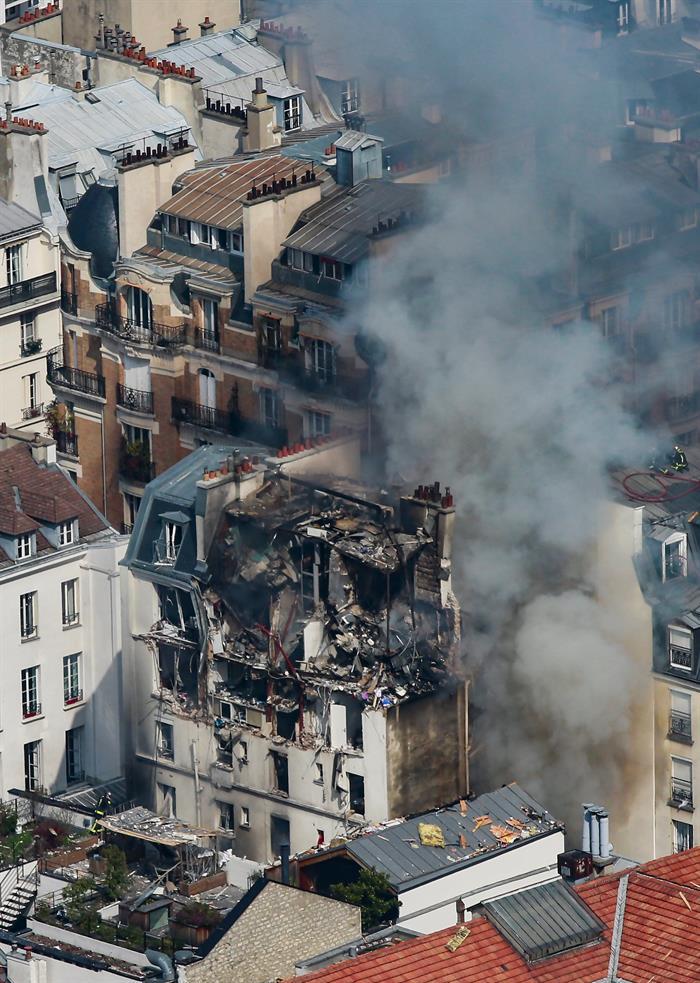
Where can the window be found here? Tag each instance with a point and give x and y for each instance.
(332, 269)
(221, 238)
(224, 751)
(182, 227)
(139, 437)
(32, 766)
(682, 836)
(245, 817)
(164, 735)
(65, 533)
(131, 508)
(688, 218)
(203, 234)
(139, 307)
(318, 424)
(13, 264)
(27, 615)
(643, 231)
(173, 540)
(279, 834)
(622, 237)
(269, 407)
(319, 773)
(168, 806)
(681, 783)
(357, 794)
(207, 385)
(27, 331)
(74, 755)
(676, 310)
(72, 692)
(680, 648)
(243, 752)
(236, 242)
(210, 311)
(226, 816)
(610, 322)
(320, 359)
(25, 544)
(665, 11)
(31, 390)
(299, 260)
(31, 707)
(680, 723)
(292, 113)
(350, 96)
(675, 554)
(280, 765)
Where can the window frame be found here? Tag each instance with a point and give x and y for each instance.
(29, 625)
(30, 679)
(269, 406)
(292, 113)
(32, 763)
(165, 744)
(24, 546)
(72, 679)
(75, 772)
(66, 533)
(677, 648)
(14, 272)
(227, 808)
(688, 832)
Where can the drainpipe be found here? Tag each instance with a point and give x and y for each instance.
(197, 784)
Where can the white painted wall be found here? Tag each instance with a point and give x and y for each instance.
(97, 637)
(432, 906)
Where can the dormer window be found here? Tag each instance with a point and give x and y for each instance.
(66, 533)
(25, 544)
(675, 558)
(680, 648)
(170, 542)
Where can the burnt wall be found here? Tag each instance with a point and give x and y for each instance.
(427, 752)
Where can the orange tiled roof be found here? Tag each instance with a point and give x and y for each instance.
(660, 940)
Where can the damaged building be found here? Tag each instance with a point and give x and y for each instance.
(295, 649)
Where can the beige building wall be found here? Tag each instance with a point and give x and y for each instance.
(617, 589)
(150, 21)
(666, 749)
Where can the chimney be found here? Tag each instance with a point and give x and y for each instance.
(461, 908)
(595, 837)
(179, 32)
(284, 858)
(206, 27)
(263, 131)
(433, 510)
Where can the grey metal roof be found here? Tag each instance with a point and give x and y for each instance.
(354, 138)
(339, 225)
(544, 920)
(14, 219)
(396, 850)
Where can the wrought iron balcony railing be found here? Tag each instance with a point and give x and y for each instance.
(680, 726)
(207, 341)
(67, 443)
(33, 412)
(136, 400)
(32, 709)
(66, 377)
(37, 286)
(682, 793)
(32, 346)
(148, 333)
(229, 422)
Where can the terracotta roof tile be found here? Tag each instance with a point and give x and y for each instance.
(660, 940)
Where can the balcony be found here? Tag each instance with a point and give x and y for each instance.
(229, 422)
(331, 384)
(64, 377)
(32, 346)
(136, 400)
(33, 412)
(680, 727)
(681, 794)
(152, 334)
(25, 290)
(271, 357)
(135, 463)
(207, 341)
(681, 658)
(69, 302)
(67, 443)
(127, 528)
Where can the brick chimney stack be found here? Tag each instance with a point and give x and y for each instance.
(207, 27)
(179, 32)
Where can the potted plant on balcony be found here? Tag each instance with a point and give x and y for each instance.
(193, 923)
(135, 460)
(32, 346)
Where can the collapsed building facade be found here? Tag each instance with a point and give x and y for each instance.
(294, 648)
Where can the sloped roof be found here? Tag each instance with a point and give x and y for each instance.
(660, 940)
(14, 219)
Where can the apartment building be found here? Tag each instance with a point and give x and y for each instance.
(60, 702)
(293, 647)
(30, 317)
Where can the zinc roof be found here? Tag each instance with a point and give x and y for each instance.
(14, 219)
(339, 225)
(214, 194)
(396, 849)
(172, 262)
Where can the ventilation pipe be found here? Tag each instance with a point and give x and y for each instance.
(595, 832)
(284, 858)
(595, 835)
(605, 845)
(164, 964)
(586, 828)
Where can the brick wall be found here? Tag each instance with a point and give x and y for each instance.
(280, 927)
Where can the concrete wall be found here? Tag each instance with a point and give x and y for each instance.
(66, 63)
(142, 190)
(432, 906)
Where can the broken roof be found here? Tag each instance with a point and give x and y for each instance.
(658, 941)
(214, 192)
(469, 832)
(142, 824)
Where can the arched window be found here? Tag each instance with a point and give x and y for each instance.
(139, 307)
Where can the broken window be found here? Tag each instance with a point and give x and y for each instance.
(279, 834)
(177, 671)
(357, 794)
(314, 573)
(224, 751)
(226, 819)
(167, 800)
(165, 740)
(675, 559)
(280, 765)
(286, 723)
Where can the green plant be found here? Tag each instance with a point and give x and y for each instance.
(75, 898)
(8, 820)
(197, 915)
(372, 892)
(14, 846)
(116, 876)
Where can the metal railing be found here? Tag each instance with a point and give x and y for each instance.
(37, 286)
(31, 347)
(331, 383)
(681, 792)
(127, 528)
(67, 443)
(31, 710)
(207, 341)
(223, 421)
(74, 696)
(137, 469)
(32, 412)
(680, 725)
(150, 333)
(680, 658)
(136, 400)
(65, 377)
(69, 302)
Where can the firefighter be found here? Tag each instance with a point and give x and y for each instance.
(679, 461)
(103, 805)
